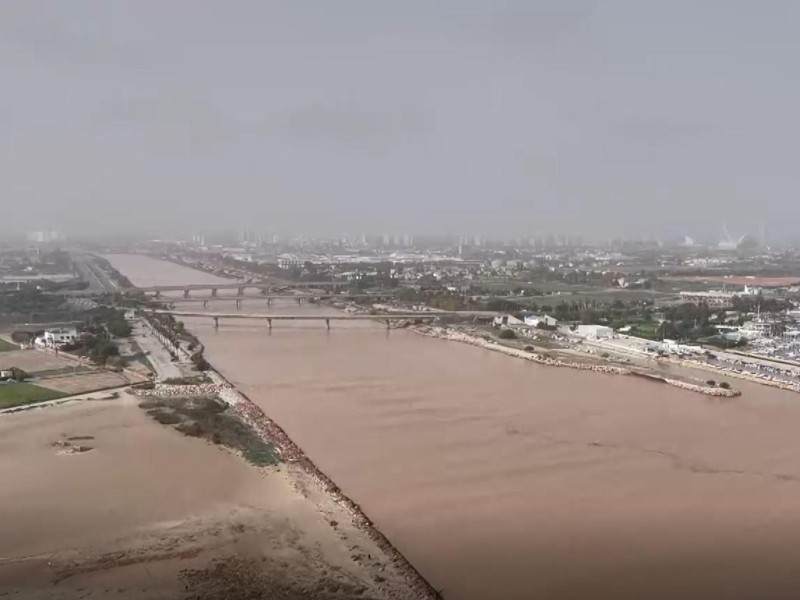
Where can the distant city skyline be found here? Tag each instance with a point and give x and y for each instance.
(600, 119)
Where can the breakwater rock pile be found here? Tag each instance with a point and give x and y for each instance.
(708, 391)
(175, 390)
(453, 335)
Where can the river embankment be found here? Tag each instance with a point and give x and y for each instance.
(397, 574)
(454, 335)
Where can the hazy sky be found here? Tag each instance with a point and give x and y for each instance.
(501, 117)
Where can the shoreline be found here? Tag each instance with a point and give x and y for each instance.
(451, 335)
(695, 364)
(292, 455)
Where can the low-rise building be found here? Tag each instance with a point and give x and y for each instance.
(507, 321)
(595, 332)
(53, 338)
(712, 298)
(540, 320)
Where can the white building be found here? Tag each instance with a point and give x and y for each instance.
(536, 320)
(712, 298)
(507, 320)
(56, 337)
(289, 261)
(45, 237)
(595, 332)
(757, 329)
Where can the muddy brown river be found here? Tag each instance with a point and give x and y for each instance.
(503, 479)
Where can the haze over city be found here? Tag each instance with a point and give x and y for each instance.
(502, 118)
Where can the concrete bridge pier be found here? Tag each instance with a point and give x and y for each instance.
(387, 323)
(205, 303)
(299, 301)
(238, 304)
(158, 294)
(213, 292)
(186, 293)
(269, 323)
(263, 291)
(269, 300)
(328, 323)
(216, 322)
(240, 291)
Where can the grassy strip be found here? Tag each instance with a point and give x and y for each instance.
(190, 380)
(6, 346)
(211, 419)
(19, 394)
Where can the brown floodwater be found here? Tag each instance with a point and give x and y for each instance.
(500, 478)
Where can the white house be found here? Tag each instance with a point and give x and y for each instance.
(57, 337)
(595, 332)
(536, 320)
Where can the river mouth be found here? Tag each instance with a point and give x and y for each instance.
(498, 478)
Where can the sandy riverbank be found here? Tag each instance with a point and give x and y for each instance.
(104, 500)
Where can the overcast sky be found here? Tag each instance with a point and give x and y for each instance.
(486, 116)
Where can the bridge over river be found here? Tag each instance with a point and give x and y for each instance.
(299, 298)
(264, 287)
(386, 317)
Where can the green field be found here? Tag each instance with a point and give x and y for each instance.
(6, 346)
(19, 394)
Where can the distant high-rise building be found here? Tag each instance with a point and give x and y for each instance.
(387, 239)
(45, 237)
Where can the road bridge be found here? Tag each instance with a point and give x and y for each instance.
(264, 287)
(299, 298)
(386, 317)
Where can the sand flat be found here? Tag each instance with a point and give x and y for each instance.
(98, 497)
